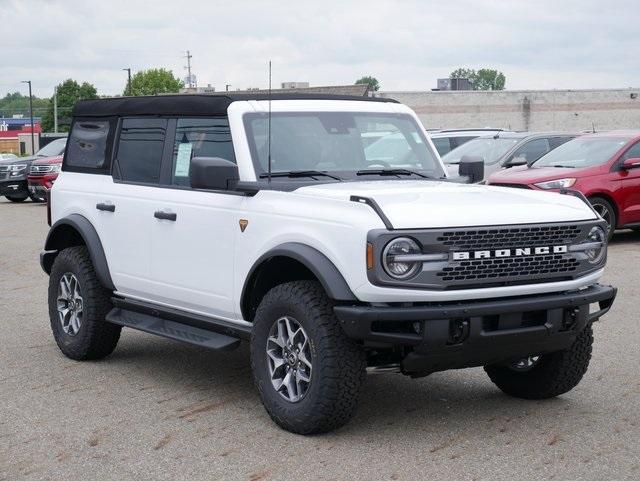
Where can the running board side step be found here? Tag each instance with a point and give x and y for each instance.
(172, 330)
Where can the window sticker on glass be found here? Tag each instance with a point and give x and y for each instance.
(183, 160)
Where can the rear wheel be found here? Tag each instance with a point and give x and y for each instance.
(548, 375)
(604, 208)
(14, 198)
(78, 305)
(308, 373)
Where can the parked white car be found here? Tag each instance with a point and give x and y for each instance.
(215, 219)
(447, 140)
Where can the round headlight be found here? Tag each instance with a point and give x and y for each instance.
(392, 258)
(596, 235)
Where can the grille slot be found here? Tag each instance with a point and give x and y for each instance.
(510, 236)
(40, 169)
(511, 267)
(4, 168)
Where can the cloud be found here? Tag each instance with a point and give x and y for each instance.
(405, 44)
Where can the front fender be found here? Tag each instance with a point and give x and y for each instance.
(71, 231)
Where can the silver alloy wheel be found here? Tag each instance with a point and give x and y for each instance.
(603, 211)
(289, 359)
(70, 304)
(525, 364)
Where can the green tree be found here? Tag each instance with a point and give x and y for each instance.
(154, 81)
(17, 104)
(483, 79)
(69, 92)
(489, 79)
(369, 80)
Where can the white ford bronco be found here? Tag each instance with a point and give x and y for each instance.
(324, 231)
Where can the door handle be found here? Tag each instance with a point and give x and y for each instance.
(106, 207)
(160, 214)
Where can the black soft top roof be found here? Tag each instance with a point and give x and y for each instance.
(190, 104)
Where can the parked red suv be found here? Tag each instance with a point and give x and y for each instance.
(605, 167)
(42, 174)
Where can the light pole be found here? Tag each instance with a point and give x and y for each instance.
(128, 70)
(33, 144)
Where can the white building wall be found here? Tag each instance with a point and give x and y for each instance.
(534, 110)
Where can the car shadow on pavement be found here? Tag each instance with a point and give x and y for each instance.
(443, 402)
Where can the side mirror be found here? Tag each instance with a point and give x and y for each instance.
(213, 173)
(629, 164)
(516, 161)
(471, 167)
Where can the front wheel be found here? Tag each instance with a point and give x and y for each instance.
(16, 199)
(36, 198)
(308, 373)
(78, 305)
(548, 375)
(604, 208)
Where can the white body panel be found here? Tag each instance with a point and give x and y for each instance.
(200, 262)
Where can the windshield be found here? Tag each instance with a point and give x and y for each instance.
(52, 148)
(342, 143)
(489, 148)
(582, 152)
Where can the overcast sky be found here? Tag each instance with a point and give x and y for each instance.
(407, 45)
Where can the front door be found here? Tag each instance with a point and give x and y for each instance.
(630, 193)
(193, 234)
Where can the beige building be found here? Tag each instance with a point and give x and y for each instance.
(535, 110)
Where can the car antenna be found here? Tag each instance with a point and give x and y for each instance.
(269, 130)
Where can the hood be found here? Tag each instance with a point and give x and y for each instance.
(525, 175)
(48, 160)
(432, 204)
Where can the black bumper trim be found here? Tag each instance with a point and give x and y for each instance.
(357, 320)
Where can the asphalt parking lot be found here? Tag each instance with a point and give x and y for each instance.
(158, 409)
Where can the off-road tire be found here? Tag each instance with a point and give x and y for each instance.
(16, 199)
(339, 364)
(554, 374)
(96, 337)
(602, 203)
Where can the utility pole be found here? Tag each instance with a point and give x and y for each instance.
(55, 109)
(226, 87)
(128, 70)
(188, 67)
(33, 143)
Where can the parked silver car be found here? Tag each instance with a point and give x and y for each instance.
(506, 149)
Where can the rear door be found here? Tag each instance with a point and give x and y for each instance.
(126, 206)
(192, 252)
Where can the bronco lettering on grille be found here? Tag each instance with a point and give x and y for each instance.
(516, 252)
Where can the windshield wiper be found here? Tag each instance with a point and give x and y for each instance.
(300, 173)
(391, 172)
(562, 166)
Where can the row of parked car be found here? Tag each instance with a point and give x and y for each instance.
(31, 177)
(603, 166)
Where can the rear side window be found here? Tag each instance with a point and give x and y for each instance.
(88, 145)
(442, 145)
(533, 150)
(140, 148)
(199, 137)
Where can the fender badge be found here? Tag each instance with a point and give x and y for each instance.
(243, 224)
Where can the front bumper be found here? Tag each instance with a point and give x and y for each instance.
(14, 187)
(474, 333)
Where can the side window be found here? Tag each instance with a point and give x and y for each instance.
(533, 150)
(442, 145)
(558, 141)
(140, 147)
(632, 153)
(199, 137)
(89, 145)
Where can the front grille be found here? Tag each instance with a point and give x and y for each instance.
(4, 168)
(41, 169)
(493, 256)
(533, 236)
(515, 186)
(506, 268)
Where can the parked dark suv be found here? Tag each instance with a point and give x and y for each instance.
(13, 173)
